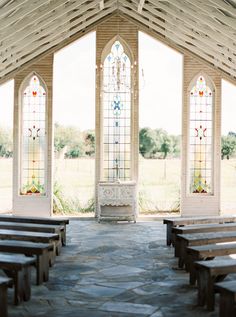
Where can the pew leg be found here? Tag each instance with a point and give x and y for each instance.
(3, 300)
(227, 304)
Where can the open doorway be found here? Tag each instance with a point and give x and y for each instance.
(228, 148)
(6, 145)
(74, 126)
(160, 106)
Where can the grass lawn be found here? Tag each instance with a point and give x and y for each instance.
(159, 182)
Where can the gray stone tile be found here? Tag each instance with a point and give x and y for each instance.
(99, 291)
(122, 270)
(128, 308)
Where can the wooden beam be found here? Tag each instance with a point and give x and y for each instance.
(11, 7)
(97, 15)
(169, 43)
(28, 25)
(101, 5)
(224, 6)
(140, 6)
(44, 33)
(198, 11)
(179, 28)
(54, 49)
(23, 11)
(176, 39)
(190, 20)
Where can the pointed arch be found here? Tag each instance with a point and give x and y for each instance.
(33, 142)
(116, 89)
(201, 93)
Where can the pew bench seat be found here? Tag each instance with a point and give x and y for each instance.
(39, 250)
(18, 268)
(185, 221)
(208, 273)
(206, 252)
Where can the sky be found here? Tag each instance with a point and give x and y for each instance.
(160, 91)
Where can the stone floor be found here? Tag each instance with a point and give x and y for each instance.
(115, 270)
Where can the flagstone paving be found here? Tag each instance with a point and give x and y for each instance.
(113, 270)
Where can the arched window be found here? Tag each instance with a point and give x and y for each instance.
(116, 114)
(33, 140)
(201, 137)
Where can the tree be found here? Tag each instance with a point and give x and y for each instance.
(89, 142)
(228, 146)
(166, 146)
(147, 142)
(6, 142)
(71, 138)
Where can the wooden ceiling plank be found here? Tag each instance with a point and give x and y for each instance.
(99, 15)
(178, 48)
(226, 7)
(28, 25)
(192, 37)
(11, 7)
(204, 14)
(201, 19)
(214, 12)
(219, 58)
(176, 40)
(27, 42)
(23, 11)
(199, 27)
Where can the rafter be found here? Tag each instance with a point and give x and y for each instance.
(59, 31)
(23, 11)
(96, 15)
(11, 7)
(179, 29)
(223, 6)
(177, 40)
(101, 5)
(28, 24)
(191, 20)
(36, 33)
(140, 6)
(205, 16)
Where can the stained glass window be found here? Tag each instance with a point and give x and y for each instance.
(201, 137)
(116, 114)
(33, 139)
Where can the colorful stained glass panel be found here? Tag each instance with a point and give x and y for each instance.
(201, 112)
(33, 139)
(116, 114)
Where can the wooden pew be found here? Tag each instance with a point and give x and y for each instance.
(227, 292)
(38, 220)
(39, 250)
(184, 221)
(206, 252)
(5, 282)
(38, 237)
(185, 240)
(18, 268)
(33, 227)
(209, 272)
(213, 227)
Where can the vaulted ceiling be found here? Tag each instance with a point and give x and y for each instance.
(31, 28)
